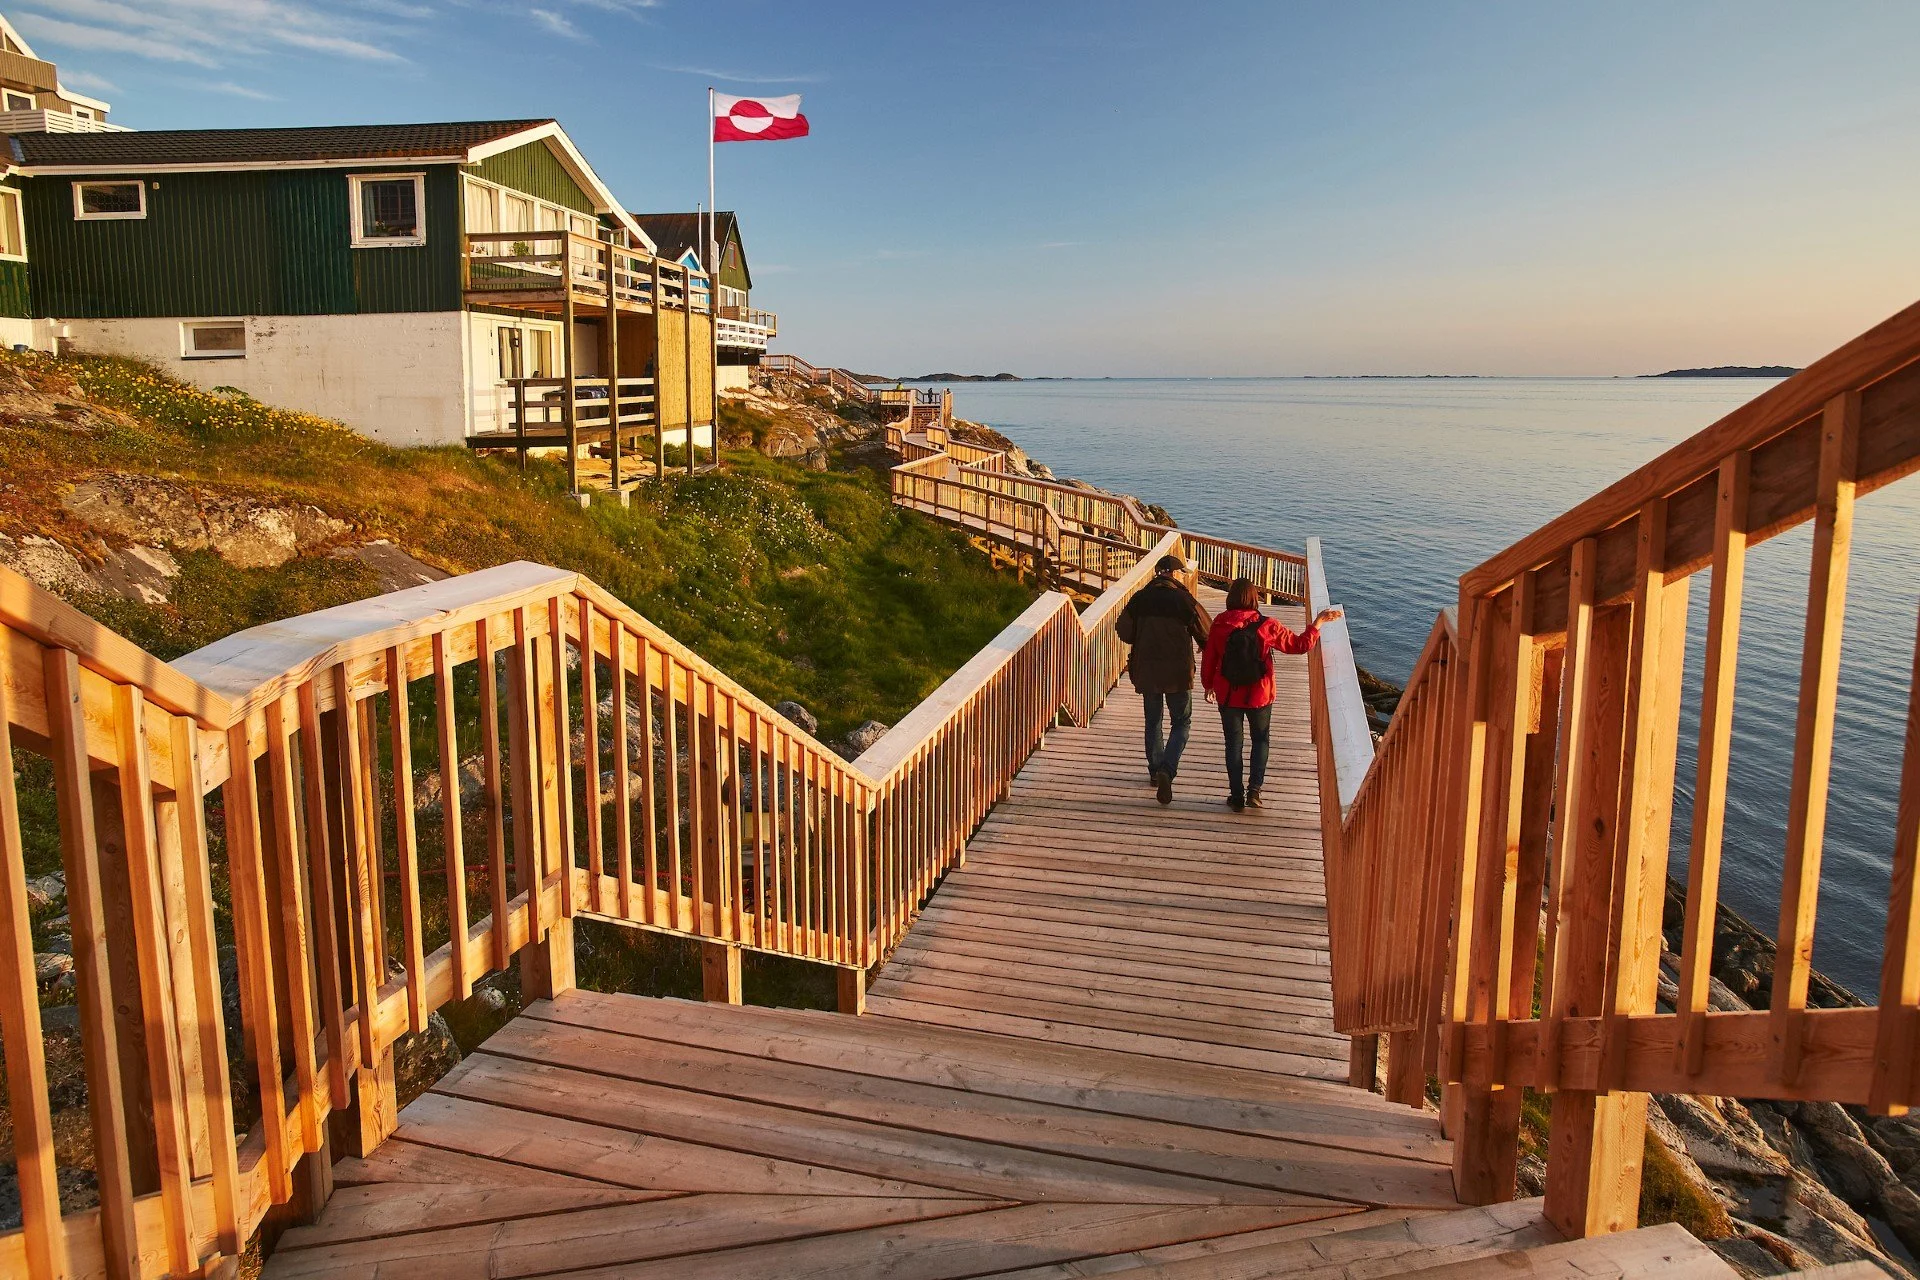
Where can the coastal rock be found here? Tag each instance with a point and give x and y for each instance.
(244, 532)
(393, 568)
(45, 563)
(799, 715)
(420, 1059)
(51, 966)
(46, 891)
(142, 574)
(862, 738)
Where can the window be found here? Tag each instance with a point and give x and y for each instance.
(584, 226)
(540, 361)
(83, 113)
(13, 240)
(99, 201)
(480, 208)
(17, 101)
(213, 340)
(733, 254)
(516, 213)
(389, 210)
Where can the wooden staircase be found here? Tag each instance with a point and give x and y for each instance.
(1105, 1047)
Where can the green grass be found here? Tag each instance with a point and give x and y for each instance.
(799, 584)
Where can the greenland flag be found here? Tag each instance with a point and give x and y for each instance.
(757, 119)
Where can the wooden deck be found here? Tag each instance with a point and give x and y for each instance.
(1105, 1046)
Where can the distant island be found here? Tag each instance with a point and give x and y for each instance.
(966, 377)
(1730, 371)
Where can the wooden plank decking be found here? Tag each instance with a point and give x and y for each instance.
(1107, 1043)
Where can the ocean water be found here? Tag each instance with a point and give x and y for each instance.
(1410, 482)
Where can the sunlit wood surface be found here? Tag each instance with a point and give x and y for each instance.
(1107, 1037)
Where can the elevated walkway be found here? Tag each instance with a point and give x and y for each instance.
(1105, 1045)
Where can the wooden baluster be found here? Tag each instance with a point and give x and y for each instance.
(20, 1031)
(362, 881)
(1716, 740)
(204, 948)
(590, 755)
(671, 774)
(282, 716)
(524, 782)
(699, 801)
(99, 1041)
(557, 764)
(623, 766)
(491, 793)
(255, 954)
(732, 850)
(650, 833)
(453, 839)
(1895, 1084)
(762, 846)
(1570, 792)
(326, 926)
(1471, 748)
(406, 838)
(1813, 728)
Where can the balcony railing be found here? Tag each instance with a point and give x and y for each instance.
(766, 320)
(44, 120)
(543, 267)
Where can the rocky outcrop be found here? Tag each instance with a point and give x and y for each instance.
(394, 569)
(243, 531)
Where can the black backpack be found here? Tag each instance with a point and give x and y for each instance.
(1244, 660)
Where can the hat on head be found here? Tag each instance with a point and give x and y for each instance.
(1169, 564)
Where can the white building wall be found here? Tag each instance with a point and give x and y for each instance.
(38, 334)
(400, 378)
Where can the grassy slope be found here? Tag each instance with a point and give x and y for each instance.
(800, 584)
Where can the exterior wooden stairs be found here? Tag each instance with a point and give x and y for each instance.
(1079, 1033)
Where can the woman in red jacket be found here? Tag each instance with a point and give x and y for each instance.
(1237, 673)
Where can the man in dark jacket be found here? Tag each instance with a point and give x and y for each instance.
(1164, 623)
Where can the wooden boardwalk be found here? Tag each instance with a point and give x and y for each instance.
(1106, 1045)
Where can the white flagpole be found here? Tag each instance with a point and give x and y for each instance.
(708, 256)
(713, 293)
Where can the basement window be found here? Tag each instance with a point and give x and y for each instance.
(100, 201)
(389, 210)
(213, 340)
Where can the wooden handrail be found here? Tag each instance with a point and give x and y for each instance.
(1523, 790)
(310, 731)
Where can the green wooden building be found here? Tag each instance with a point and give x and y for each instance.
(411, 280)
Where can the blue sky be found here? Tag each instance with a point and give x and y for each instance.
(1152, 188)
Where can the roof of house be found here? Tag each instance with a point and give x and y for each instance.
(187, 150)
(675, 233)
(217, 147)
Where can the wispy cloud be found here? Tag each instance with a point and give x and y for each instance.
(1062, 244)
(235, 90)
(739, 77)
(211, 33)
(86, 81)
(892, 255)
(555, 23)
(619, 6)
(77, 35)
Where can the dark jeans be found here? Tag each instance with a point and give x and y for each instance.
(1236, 722)
(1167, 756)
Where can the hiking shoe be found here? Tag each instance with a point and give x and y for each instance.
(1236, 804)
(1163, 786)
(1253, 799)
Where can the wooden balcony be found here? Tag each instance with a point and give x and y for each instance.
(558, 271)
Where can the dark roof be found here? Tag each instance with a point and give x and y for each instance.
(675, 233)
(256, 146)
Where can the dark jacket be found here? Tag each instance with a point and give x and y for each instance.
(1274, 638)
(1163, 623)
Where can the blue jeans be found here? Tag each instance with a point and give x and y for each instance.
(1167, 756)
(1236, 722)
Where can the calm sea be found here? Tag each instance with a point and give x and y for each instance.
(1410, 482)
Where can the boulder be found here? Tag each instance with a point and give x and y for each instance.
(419, 1060)
(46, 891)
(244, 532)
(51, 966)
(394, 569)
(45, 563)
(799, 715)
(863, 736)
(142, 574)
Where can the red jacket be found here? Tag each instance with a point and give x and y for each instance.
(1277, 640)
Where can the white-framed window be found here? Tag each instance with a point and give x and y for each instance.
(490, 207)
(17, 101)
(103, 201)
(389, 209)
(213, 339)
(13, 234)
(82, 113)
